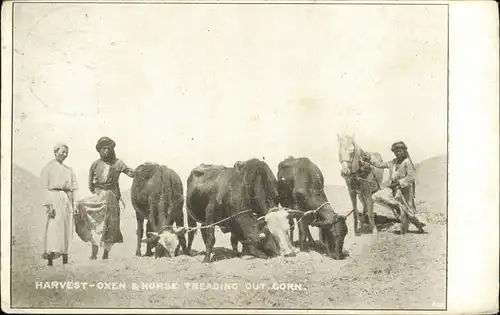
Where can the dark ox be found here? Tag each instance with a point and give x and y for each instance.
(301, 187)
(260, 183)
(157, 195)
(216, 193)
(262, 189)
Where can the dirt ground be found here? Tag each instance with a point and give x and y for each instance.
(383, 271)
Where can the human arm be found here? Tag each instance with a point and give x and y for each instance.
(409, 177)
(70, 192)
(130, 172)
(91, 177)
(380, 164)
(45, 184)
(47, 202)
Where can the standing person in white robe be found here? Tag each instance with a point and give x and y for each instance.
(59, 182)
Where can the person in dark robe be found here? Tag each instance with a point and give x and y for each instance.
(98, 219)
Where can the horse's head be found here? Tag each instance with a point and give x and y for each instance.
(347, 154)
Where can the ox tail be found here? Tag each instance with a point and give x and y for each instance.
(270, 184)
(169, 184)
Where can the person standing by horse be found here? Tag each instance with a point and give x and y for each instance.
(401, 177)
(99, 218)
(59, 182)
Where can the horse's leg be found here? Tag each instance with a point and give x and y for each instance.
(371, 214)
(368, 207)
(355, 213)
(362, 216)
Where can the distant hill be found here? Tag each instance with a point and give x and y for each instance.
(28, 216)
(431, 179)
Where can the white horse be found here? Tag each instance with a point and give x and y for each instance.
(361, 178)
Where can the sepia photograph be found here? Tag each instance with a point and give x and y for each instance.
(228, 156)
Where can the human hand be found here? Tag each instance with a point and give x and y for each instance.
(366, 158)
(394, 185)
(50, 211)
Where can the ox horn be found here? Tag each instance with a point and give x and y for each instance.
(180, 230)
(295, 213)
(153, 234)
(152, 237)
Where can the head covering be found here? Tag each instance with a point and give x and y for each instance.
(60, 145)
(103, 142)
(398, 145)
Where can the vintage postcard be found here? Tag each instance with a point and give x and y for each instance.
(249, 157)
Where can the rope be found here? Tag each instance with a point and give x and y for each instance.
(314, 211)
(189, 229)
(297, 224)
(350, 212)
(123, 203)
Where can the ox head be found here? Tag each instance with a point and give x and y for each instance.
(166, 241)
(264, 245)
(277, 223)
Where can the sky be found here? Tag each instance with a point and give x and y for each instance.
(182, 85)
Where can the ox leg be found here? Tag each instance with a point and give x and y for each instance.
(191, 233)
(209, 239)
(309, 237)
(291, 222)
(149, 246)
(208, 233)
(302, 236)
(234, 245)
(182, 238)
(140, 233)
